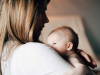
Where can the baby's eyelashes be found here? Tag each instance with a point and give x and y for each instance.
(54, 43)
(49, 45)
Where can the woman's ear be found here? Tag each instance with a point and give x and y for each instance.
(69, 46)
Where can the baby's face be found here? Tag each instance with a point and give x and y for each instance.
(57, 44)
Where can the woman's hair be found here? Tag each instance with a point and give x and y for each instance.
(18, 19)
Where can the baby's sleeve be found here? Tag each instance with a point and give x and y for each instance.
(38, 59)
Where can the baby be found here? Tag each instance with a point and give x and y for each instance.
(65, 41)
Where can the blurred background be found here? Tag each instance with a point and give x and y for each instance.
(89, 10)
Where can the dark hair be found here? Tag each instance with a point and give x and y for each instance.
(75, 39)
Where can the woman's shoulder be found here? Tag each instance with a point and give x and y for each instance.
(30, 50)
(33, 45)
(35, 59)
(25, 56)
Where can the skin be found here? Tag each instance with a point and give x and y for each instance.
(56, 42)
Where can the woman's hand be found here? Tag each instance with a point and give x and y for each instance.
(87, 58)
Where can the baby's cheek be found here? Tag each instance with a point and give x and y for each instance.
(61, 52)
(54, 48)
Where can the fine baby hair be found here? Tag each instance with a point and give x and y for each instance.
(67, 32)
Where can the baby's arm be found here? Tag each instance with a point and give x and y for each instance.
(77, 71)
(75, 60)
(80, 67)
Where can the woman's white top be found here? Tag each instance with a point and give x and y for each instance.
(34, 59)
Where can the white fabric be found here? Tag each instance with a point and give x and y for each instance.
(35, 59)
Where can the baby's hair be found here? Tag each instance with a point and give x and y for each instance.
(63, 31)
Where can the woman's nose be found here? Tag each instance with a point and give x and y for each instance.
(46, 20)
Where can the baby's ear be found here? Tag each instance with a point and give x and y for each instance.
(69, 46)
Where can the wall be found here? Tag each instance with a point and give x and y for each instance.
(89, 10)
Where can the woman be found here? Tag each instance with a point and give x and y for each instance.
(21, 22)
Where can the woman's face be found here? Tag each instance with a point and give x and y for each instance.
(40, 23)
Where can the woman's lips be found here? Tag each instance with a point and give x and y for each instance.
(41, 28)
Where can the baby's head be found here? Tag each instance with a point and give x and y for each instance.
(63, 39)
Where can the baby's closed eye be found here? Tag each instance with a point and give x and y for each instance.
(54, 43)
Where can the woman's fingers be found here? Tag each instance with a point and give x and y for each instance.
(87, 58)
(92, 62)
